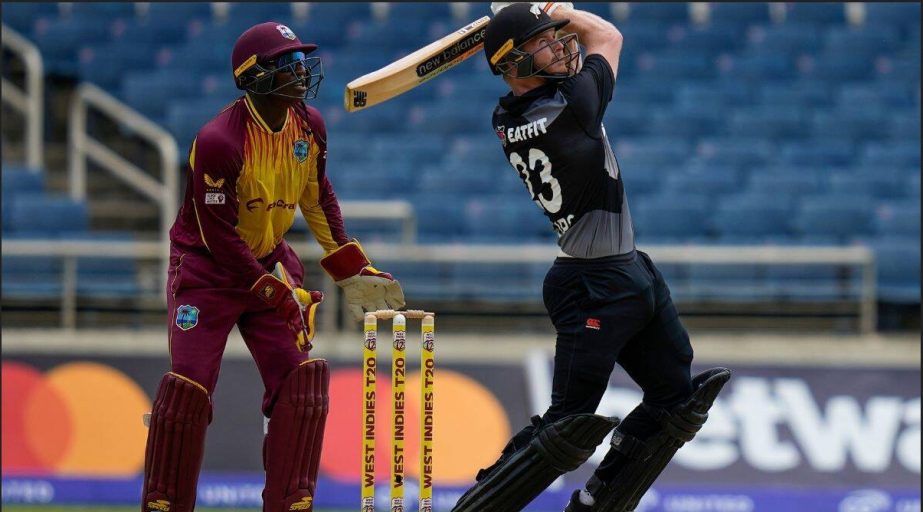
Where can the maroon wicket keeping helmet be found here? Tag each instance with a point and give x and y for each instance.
(263, 43)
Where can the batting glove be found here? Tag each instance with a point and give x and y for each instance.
(366, 288)
(548, 7)
(297, 305)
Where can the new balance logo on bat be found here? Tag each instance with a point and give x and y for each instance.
(359, 98)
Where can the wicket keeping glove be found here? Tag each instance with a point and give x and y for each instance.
(297, 305)
(366, 288)
(548, 7)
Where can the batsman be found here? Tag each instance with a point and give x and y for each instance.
(607, 300)
(249, 168)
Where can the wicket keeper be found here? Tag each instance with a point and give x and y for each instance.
(607, 300)
(250, 167)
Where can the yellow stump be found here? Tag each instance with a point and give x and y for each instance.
(398, 402)
(428, 376)
(369, 364)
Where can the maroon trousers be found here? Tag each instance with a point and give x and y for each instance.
(204, 303)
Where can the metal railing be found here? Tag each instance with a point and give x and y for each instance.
(858, 256)
(29, 102)
(82, 147)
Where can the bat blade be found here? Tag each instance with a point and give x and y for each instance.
(412, 70)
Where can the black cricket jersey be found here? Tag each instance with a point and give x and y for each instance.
(554, 138)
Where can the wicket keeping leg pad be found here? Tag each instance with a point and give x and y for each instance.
(175, 445)
(647, 459)
(292, 446)
(554, 449)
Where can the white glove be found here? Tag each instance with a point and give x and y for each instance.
(548, 7)
(366, 288)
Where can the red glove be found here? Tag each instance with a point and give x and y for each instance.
(296, 305)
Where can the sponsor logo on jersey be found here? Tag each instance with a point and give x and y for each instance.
(300, 150)
(593, 323)
(501, 134)
(214, 198)
(526, 131)
(187, 317)
(210, 183)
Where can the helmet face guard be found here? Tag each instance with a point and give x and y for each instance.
(262, 80)
(524, 62)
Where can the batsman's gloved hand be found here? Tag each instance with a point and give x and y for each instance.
(548, 7)
(296, 305)
(366, 288)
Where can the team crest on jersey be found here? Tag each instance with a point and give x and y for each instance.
(187, 317)
(286, 32)
(501, 134)
(300, 150)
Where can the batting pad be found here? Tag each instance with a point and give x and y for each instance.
(175, 445)
(555, 449)
(292, 447)
(648, 458)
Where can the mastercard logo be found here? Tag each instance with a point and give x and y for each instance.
(79, 418)
(84, 418)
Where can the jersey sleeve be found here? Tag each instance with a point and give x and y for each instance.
(589, 92)
(318, 202)
(216, 165)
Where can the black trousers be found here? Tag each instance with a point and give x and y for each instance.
(611, 310)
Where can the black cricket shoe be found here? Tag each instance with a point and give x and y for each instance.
(575, 505)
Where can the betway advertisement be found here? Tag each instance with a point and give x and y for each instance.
(793, 438)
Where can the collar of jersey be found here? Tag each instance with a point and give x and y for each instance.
(513, 103)
(259, 120)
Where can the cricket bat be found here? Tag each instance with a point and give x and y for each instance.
(420, 66)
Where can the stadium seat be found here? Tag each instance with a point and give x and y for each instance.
(864, 42)
(663, 12)
(856, 124)
(504, 219)
(843, 216)
(663, 216)
(818, 153)
(790, 39)
(769, 122)
(425, 281)
(103, 11)
(785, 182)
(880, 94)
(739, 13)
(151, 92)
(837, 68)
(759, 68)
(709, 180)
(47, 215)
(643, 91)
(339, 14)
(875, 186)
(893, 14)
(59, 39)
(754, 214)
(440, 217)
(675, 64)
(22, 16)
(498, 282)
(106, 277)
(898, 265)
(899, 218)
(185, 118)
(904, 128)
(891, 154)
(815, 13)
(812, 282)
(803, 94)
(31, 277)
(726, 282)
(625, 119)
(256, 11)
(710, 39)
(735, 151)
(652, 151)
(399, 12)
(717, 95)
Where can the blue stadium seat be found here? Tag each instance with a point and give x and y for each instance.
(760, 68)
(652, 151)
(643, 35)
(643, 91)
(339, 14)
(22, 180)
(460, 177)
(422, 281)
(169, 12)
(440, 217)
(103, 11)
(800, 94)
(818, 153)
(709, 39)
(400, 12)
(689, 121)
(47, 215)
(324, 35)
(664, 12)
(105, 64)
(726, 282)
(424, 148)
(151, 92)
(31, 277)
(904, 128)
(257, 12)
(855, 124)
(499, 282)
(838, 68)
(184, 119)
(791, 39)
(785, 182)
(753, 214)
(735, 151)
(501, 219)
(106, 277)
(864, 42)
(770, 122)
(626, 119)
(220, 35)
(59, 39)
(22, 16)
(877, 186)
(899, 68)
(898, 264)
(707, 180)
(675, 64)
(882, 94)
(664, 216)
(414, 33)
(898, 218)
(843, 216)
(891, 154)
(812, 282)
(718, 95)
(901, 14)
(739, 13)
(815, 13)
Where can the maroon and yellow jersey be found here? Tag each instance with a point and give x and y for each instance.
(245, 182)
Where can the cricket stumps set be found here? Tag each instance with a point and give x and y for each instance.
(398, 402)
